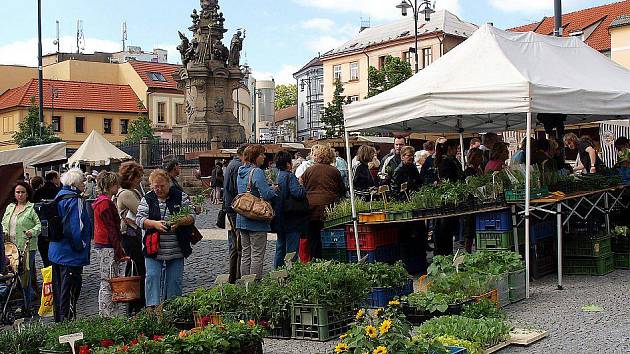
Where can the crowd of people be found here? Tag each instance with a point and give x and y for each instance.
(146, 234)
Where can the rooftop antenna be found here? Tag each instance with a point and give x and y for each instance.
(124, 35)
(365, 24)
(56, 41)
(80, 37)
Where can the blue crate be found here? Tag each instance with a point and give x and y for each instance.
(494, 221)
(384, 254)
(334, 238)
(457, 350)
(543, 230)
(380, 297)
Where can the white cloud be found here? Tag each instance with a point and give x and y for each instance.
(282, 76)
(320, 24)
(533, 6)
(377, 9)
(451, 5)
(25, 52)
(325, 43)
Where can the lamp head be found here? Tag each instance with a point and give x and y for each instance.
(404, 6)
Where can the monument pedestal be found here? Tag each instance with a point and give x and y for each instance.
(224, 131)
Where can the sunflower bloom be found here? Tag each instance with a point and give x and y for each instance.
(385, 326)
(394, 303)
(360, 314)
(380, 350)
(370, 331)
(343, 336)
(341, 347)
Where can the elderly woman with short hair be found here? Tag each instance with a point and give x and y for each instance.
(324, 186)
(69, 255)
(164, 265)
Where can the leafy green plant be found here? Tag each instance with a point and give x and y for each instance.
(471, 347)
(431, 302)
(621, 231)
(27, 341)
(483, 308)
(383, 275)
(464, 284)
(183, 212)
(487, 332)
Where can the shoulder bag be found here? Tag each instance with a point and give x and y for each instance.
(252, 207)
(293, 206)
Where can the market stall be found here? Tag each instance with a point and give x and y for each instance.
(498, 81)
(97, 151)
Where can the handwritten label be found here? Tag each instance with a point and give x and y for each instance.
(222, 279)
(71, 339)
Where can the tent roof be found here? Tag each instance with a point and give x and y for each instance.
(34, 155)
(97, 150)
(490, 82)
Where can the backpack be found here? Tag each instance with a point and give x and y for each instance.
(52, 222)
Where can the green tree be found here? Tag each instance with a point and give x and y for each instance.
(286, 96)
(140, 128)
(28, 133)
(333, 112)
(394, 72)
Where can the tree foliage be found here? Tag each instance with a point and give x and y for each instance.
(28, 133)
(286, 96)
(140, 128)
(394, 72)
(333, 112)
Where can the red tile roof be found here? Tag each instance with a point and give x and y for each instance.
(286, 114)
(580, 20)
(143, 68)
(74, 95)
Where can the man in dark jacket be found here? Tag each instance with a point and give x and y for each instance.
(173, 170)
(391, 161)
(48, 191)
(230, 191)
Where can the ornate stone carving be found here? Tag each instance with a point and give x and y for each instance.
(235, 49)
(219, 105)
(220, 52)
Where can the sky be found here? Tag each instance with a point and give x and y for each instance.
(282, 35)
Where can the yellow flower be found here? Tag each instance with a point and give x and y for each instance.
(378, 312)
(341, 347)
(370, 331)
(343, 336)
(385, 326)
(380, 350)
(360, 314)
(394, 303)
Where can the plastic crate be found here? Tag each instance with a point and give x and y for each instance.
(335, 254)
(517, 294)
(543, 258)
(622, 260)
(620, 244)
(456, 350)
(495, 221)
(380, 297)
(586, 247)
(282, 329)
(385, 254)
(519, 194)
(316, 322)
(334, 238)
(371, 236)
(589, 265)
(498, 240)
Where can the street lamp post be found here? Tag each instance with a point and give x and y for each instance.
(423, 8)
(40, 73)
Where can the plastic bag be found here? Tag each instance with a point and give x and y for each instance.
(46, 307)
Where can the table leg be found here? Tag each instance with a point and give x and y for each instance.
(607, 213)
(515, 228)
(559, 235)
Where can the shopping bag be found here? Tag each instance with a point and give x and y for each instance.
(304, 251)
(46, 307)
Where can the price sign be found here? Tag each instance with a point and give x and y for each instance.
(71, 339)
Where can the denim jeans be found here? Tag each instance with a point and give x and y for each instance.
(163, 280)
(29, 290)
(286, 242)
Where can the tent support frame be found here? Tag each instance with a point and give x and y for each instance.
(352, 197)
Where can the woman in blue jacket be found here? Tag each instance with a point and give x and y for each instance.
(287, 225)
(253, 232)
(69, 255)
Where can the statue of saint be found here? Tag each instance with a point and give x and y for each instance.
(183, 48)
(235, 49)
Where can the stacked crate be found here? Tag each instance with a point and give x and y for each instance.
(334, 244)
(587, 254)
(621, 252)
(494, 231)
(379, 243)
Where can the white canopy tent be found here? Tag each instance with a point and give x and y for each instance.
(32, 156)
(96, 150)
(496, 81)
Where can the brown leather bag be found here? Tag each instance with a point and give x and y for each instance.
(252, 207)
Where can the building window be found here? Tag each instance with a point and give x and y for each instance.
(78, 124)
(337, 72)
(180, 115)
(107, 125)
(407, 57)
(124, 126)
(302, 111)
(427, 57)
(354, 98)
(381, 62)
(56, 124)
(157, 77)
(354, 71)
(161, 112)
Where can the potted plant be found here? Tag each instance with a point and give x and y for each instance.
(386, 282)
(484, 332)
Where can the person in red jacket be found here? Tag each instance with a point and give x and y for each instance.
(107, 240)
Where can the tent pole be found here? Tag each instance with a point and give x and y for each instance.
(461, 147)
(354, 208)
(528, 173)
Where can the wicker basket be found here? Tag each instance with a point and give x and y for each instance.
(125, 289)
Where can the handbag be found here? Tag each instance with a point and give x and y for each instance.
(151, 243)
(221, 219)
(252, 207)
(293, 206)
(195, 236)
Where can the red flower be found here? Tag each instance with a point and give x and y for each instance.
(264, 324)
(84, 349)
(157, 338)
(123, 349)
(205, 321)
(133, 342)
(106, 343)
(251, 323)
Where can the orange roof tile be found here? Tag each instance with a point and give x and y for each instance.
(580, 20)
(74, 95)
(286, 113)
(144, 70)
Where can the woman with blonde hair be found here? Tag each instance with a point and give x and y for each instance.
(324, 186)
(107, 240)
(363, 179)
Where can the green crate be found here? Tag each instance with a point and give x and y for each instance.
(589, 265)
(586, 247)
(516, 279)
(517, 294)
(519, 194)
(335, 254)
(315, 322)
(495, 240)
(622, 260)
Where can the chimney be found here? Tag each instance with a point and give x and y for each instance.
(365, 24)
